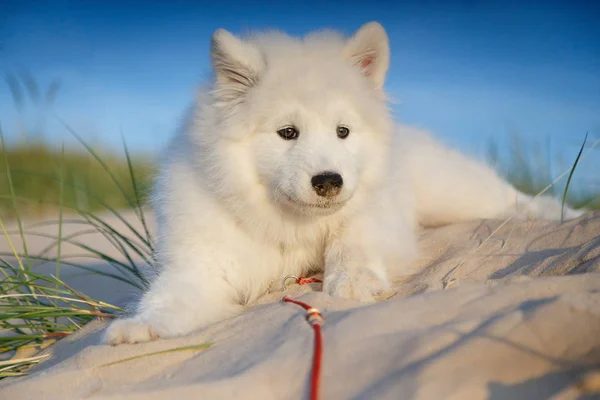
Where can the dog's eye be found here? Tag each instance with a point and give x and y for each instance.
(342, 131)
(288, 133)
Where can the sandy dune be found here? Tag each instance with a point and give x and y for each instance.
(514, 316)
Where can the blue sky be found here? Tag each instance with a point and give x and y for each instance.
(468, 70)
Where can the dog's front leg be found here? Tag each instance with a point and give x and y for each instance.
(354, 268)
(193, 290)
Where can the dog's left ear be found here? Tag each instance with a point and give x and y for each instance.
(237, 65)
(369, 51)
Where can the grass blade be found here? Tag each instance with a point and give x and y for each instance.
(101, 162)
(60, 210)
(14, 201)
(203, 346)
(564, 198)
(82, 212)
(136, 193)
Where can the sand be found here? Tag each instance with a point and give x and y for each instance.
(516, 316)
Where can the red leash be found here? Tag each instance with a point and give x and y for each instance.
(299, 280)
(315, 319)
(303, 281)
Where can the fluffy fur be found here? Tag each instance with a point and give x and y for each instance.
(235, 202)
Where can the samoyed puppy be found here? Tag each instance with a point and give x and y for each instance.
(291, 164)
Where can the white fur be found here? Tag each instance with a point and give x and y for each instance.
(235, 206)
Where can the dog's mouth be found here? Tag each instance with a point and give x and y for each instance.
(326, 205)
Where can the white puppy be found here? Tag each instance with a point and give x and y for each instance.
(291, 164)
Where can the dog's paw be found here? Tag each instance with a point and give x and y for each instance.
(130, 330)
(361, 285)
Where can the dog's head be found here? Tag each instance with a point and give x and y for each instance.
(308, 117)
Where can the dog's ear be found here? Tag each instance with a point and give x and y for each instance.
(237, 65)
(369, 51)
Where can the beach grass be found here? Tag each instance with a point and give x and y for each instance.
(82, 183)
(38, 309)
(531, 169)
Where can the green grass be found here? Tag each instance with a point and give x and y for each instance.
(47, 178)
(85, 177)
(202, 346)
(528, 167)
(38, 309)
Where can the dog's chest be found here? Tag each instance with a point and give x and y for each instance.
(297, 249)
(300, 257)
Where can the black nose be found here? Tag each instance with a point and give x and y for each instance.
(327, 184)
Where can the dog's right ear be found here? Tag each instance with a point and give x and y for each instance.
(237, 65)
(369, 51)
